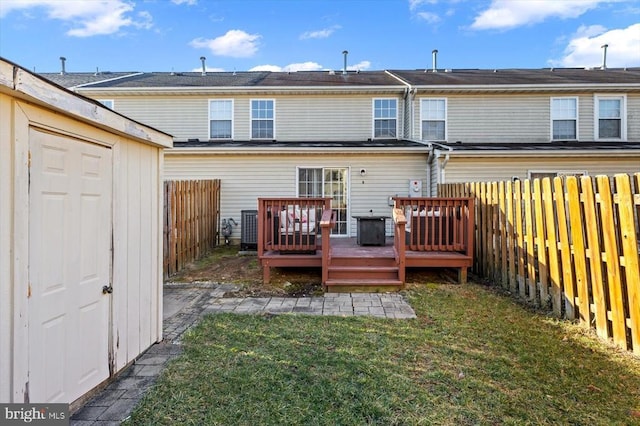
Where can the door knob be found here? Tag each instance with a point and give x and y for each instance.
(107, 289)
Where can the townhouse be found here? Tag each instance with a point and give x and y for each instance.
(363, 137)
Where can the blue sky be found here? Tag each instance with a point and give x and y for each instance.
(290, 35)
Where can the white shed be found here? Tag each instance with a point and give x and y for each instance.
(80, 240)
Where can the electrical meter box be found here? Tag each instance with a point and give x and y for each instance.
(415, 188)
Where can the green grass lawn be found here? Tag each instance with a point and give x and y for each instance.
(471, 357)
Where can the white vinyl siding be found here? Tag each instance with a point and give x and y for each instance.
(385, 118)
(244, 178)
(326, 118)
(610, 121)
(221, 119)
(298, 118)
(182, 117)
(564, 118)
(494, 169)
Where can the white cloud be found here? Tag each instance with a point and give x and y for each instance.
(272, 68)
(585, 48)
(302, 66)
(88, 18)
(414, 4)
(235, 43)
(430, 18)
(360, 66)
(508, 14)
(324, 33)
(187, 2)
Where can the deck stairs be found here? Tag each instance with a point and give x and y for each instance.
(353, 273)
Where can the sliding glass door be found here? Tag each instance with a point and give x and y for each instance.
(328, 182)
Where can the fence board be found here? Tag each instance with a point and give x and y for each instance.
(571, 241)
(191, 225)
(595, 256)
(564, 246)
(555, 284)
(612, 261)
(520, 232)
(630, 250)
(529, 240)
(511, 238)
(540, 244)
(579, 249)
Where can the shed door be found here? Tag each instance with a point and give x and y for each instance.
(70, 262)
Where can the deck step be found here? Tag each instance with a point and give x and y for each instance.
(362, 285)
(362, 261)
(363, 272)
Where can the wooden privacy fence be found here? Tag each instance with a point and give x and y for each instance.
(569, 243)
(191, 221)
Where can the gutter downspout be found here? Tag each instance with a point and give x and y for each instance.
(447, 156)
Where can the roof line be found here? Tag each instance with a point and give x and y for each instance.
(135, 74)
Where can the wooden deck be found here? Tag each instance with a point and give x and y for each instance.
(440, 235)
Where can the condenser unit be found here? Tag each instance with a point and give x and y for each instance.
(249, 230)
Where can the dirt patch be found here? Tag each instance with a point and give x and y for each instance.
(227, 264)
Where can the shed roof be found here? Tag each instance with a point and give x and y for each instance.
(23, 84)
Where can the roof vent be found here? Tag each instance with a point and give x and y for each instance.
(344, 68)
(434, 60)
(204, 67)
(62, 61)
(604, 55)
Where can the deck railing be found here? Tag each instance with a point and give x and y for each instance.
(436, 224)
(326, 225)
(290, 225)
(399, 241)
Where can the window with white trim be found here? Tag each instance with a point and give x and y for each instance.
(106, 102)
(385, 118)
(433, 119)
(221, 119)
(610, 120)
(564, 119)
(542, 174)
(262, 119)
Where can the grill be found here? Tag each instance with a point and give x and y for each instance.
(249, 230)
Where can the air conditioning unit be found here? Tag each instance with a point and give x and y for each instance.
(249, 230)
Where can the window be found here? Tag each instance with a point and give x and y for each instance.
(221, 119)
(610, 117)
(106, 102)
(262, 123)
(541, 175)
(385, 117)
(564, 118)
(433, 119)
